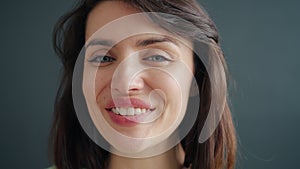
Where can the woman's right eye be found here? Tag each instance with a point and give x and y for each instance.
(101, 60)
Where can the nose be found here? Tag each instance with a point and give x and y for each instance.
(127, 78)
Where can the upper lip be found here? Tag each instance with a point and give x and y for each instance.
(127, 103)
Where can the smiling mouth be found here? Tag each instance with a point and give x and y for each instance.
(130, 111)
(129, 116)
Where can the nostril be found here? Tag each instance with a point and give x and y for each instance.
(137, 83)
(128, 79)
(135, 89)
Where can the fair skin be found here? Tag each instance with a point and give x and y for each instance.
(150, 89)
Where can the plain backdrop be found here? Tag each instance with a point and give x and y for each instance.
(260, 40)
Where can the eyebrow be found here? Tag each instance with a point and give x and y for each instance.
(139, 43)
(153, 40)
(101, 42)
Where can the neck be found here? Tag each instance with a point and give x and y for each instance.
(172, 159)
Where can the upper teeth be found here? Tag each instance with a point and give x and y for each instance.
(130, 111)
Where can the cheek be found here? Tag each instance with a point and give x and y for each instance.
(102, 86)
(174, 82)
(166, 84)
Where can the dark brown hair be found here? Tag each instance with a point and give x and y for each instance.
(70, 146)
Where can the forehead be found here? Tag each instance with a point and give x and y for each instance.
(106, 12)
(116, 20)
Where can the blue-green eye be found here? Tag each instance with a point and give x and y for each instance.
(102, 59)
(156, 58)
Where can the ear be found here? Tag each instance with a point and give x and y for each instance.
(194, 90)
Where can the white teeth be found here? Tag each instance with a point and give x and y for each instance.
(129, 111)
(138, 111)
(123, 111)
(115, 111)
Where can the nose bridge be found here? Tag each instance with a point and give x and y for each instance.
(126, 75)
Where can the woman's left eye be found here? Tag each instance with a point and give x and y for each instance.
(156, 58)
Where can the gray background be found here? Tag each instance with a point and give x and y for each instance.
(261, 43)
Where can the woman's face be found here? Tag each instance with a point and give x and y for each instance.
(140, 81)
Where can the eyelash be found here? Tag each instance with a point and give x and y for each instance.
(162, 58)
(99, 59)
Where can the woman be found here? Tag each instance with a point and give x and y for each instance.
(117, 86)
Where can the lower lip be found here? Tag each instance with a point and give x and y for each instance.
(125, 121)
